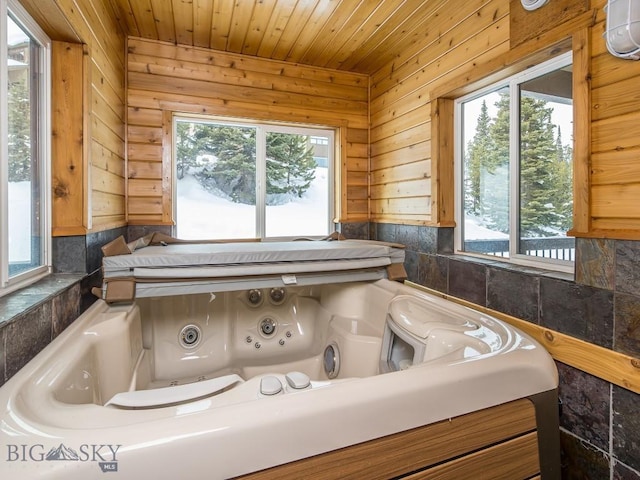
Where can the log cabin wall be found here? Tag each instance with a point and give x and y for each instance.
(164, 79)
(589, 321)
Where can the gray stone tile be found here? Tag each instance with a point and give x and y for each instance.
(26, 336)
(622, 472)
(627, 324)
(433, 271)
(627, 261)
(69, 254)
(65, 309)
(134, 232)
(625, 426)
(595, 262)
(411, 259)
(408, 235)
(357, 230)
(578, 310)
(468, 280)
(386, 232)
(585, 405)
(514, 293)
(445, 240)
(2, 357)
(16, 303)
(581, 461)
(428, 239)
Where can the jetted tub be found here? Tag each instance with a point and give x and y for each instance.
(221, 385)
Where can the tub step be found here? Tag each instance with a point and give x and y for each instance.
(158, 397)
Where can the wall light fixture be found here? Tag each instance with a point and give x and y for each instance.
(532, 4)
(623, 28)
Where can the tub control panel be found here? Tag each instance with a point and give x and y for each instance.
(273, 385)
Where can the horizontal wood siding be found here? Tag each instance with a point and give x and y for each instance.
(458, 48)
(455, 42)
(615, 139)
(165, 79)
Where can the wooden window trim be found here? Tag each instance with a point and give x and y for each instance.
(516, 60)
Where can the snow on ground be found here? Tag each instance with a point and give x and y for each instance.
(19, 217)
(203, 215)
(474, 230)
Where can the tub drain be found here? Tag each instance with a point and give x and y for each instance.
(190, 336)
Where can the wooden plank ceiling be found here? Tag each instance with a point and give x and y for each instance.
(353, 35)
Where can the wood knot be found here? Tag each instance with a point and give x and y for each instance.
(635, 362)
(549, 336)
(60, 191)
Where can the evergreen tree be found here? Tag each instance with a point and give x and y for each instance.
(562, 197)
(495, 205)
(478, 152)
(234, 171)
(290, 164)
(187, 148)
(19, 139)
(537, 155)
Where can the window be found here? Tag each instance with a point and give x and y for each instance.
(24, 133)
(514, 167)
(248, 180)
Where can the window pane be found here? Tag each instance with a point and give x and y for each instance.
(546, 198)
(297, 185)
(485, 144)
(24, 215)
(216, 180)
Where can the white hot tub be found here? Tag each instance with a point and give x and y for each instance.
(220, 385)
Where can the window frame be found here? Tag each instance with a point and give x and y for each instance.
(513, 83)
(262, 128)
(43, 149)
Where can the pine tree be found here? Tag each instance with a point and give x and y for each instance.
(537, 155)
(478, 151)
(495, 195)
(290, 164)
(562, 198)
(234, 170)
(19, 139)
(187, 148)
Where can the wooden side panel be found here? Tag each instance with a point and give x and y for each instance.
(164, 79)
(89, 156)
(67, 160)
(449, 447)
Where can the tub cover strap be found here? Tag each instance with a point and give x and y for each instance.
(158, 397)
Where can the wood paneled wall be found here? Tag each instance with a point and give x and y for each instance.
(615, 139)
(164, 79)
(98, 168)
(460, 46)
(455, 42)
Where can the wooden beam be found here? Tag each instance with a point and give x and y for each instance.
(581, 131)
